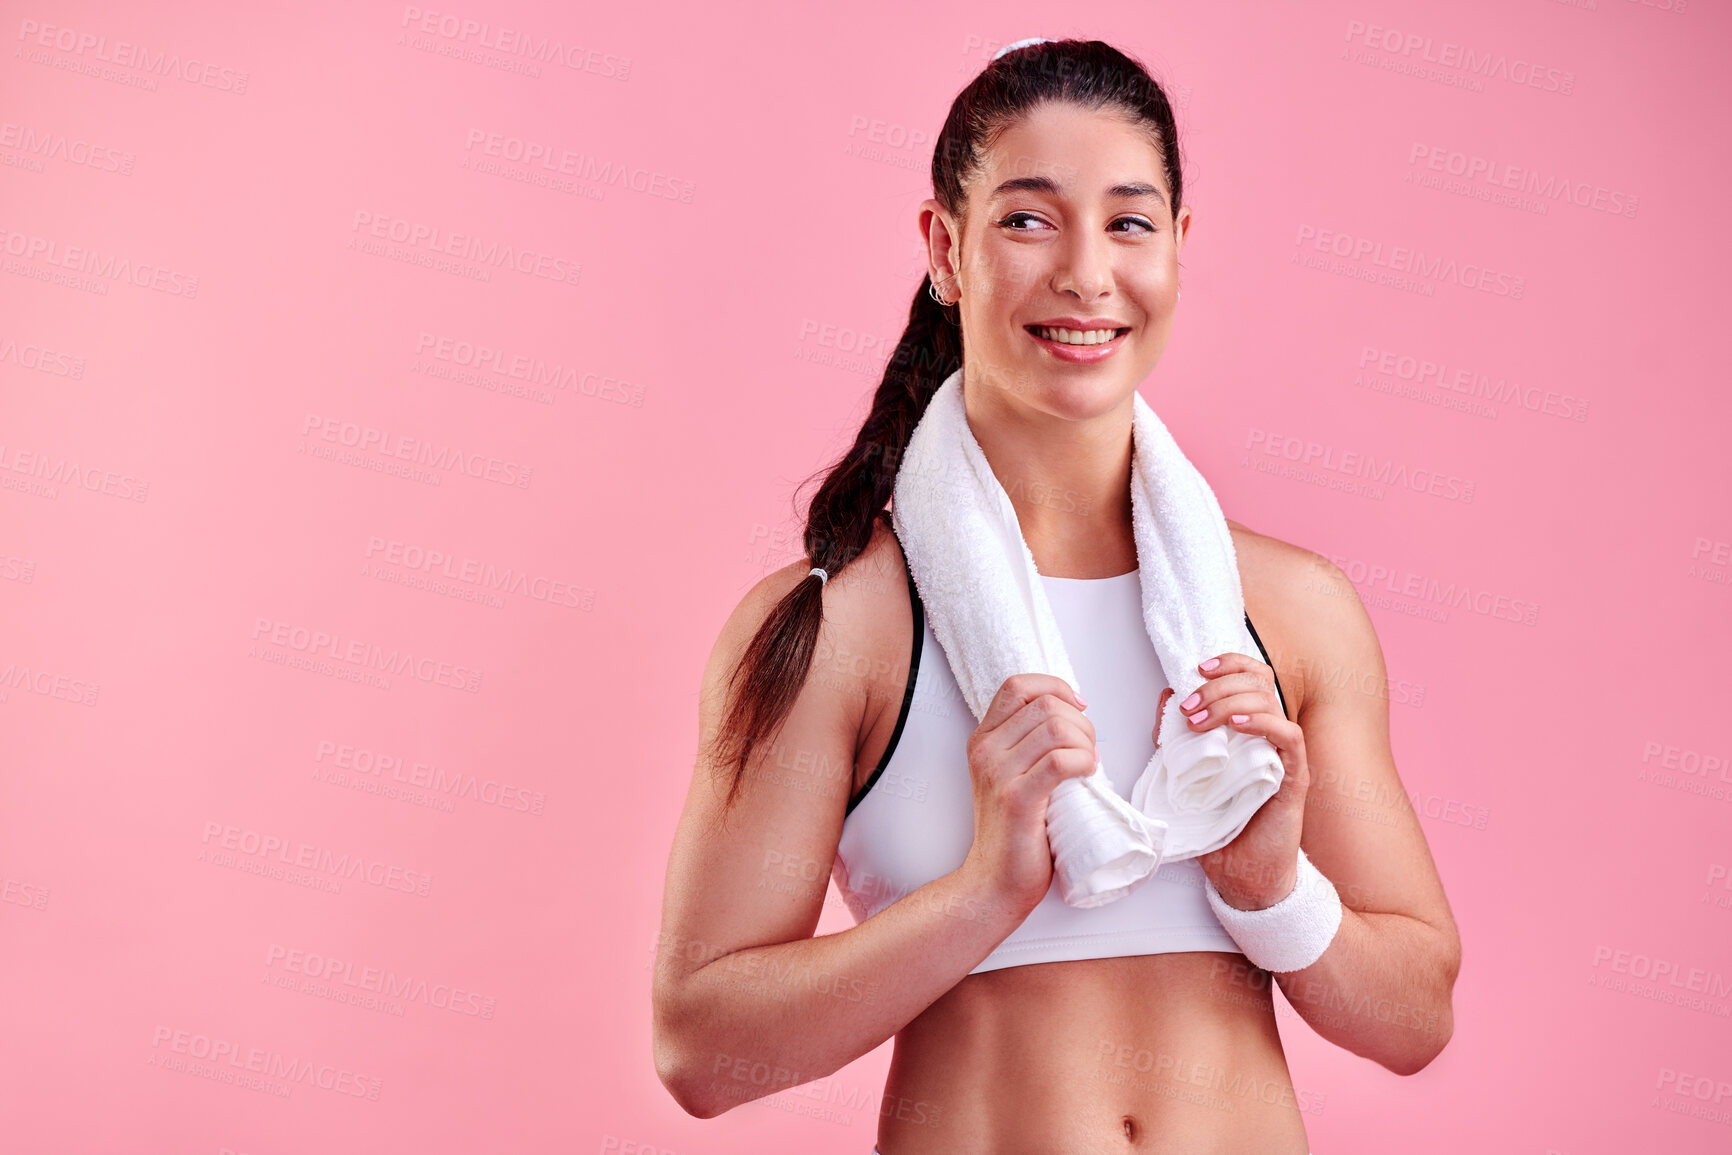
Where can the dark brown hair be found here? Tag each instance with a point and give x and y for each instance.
(856, 489)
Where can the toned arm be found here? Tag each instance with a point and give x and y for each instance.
(1383, 988)
(746, 1001)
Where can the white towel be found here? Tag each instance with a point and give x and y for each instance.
(989, 611)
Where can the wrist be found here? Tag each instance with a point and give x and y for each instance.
(1260, 891)
(1290, 934)
(987, 894)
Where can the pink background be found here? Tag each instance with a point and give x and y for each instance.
(195, 297)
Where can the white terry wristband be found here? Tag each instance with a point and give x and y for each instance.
(1292, 934)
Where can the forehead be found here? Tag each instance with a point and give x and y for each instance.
(1075, 152)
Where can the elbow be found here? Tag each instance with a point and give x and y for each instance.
(1417, 1058)
(671, 1046)
(682, 1080)
(1431, 1034)
(1425, 1039)
(686, 1092)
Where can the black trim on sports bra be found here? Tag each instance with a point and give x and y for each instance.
(907, 693)
(1271, 665)
(919, 611)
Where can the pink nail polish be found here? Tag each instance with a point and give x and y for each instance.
(1210, 664)
(1241, 718)
(1199, 715)
(1191, 702)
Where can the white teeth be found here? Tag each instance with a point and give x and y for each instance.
(1078, 336)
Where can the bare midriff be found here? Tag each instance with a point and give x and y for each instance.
(1145, 1053)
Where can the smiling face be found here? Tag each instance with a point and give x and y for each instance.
(1068, 268)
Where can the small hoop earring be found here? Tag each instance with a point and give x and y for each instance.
(932, 291)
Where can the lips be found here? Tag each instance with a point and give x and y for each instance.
(1095, 334)
(1072, 321)
(1079, 354)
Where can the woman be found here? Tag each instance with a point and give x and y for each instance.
(1058, 217)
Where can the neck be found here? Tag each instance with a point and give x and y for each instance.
(1069, 480)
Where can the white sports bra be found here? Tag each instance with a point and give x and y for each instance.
(913, 820)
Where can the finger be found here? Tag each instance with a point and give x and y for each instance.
(1055, 731)
(1296, 774)
(1020, 689)
(1054, 767)
(1231, 662)
(1247, 691)
(1161, 715)
(1287, 737)
(1046, 695)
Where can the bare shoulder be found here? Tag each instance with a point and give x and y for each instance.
(874, 620)
(860, 658)
(1308, 614)
(857, 600)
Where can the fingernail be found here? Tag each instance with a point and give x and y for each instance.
(1082, 701)
(1210, 664)
(1241, 717)
(1191, 702)
(1199, 715)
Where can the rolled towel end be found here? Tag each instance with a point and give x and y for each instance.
(1292, 934)
(1102, 848)
(1087, 886)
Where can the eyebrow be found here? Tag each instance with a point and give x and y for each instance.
(1045, 184)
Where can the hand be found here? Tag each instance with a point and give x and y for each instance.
(1033, 737)
(1259, 867)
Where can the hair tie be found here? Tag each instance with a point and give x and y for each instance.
(823, 578)
(1022, 44)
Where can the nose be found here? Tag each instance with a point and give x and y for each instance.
(1085, 266)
